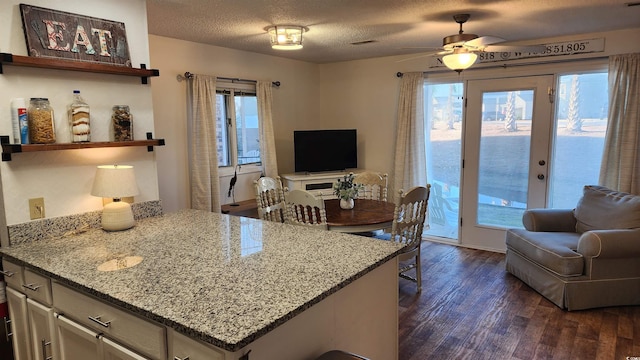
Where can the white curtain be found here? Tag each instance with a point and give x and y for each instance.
(410, 160)
(620, 168)
(267, 139)
(203, 156)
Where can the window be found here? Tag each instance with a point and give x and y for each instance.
(582, 105)
(237, 125)
(443, 127)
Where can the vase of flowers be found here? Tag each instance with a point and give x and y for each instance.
(346, 191)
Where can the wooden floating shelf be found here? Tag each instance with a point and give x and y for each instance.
(8, 149)
(63, 64)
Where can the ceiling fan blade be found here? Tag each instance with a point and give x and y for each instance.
(515, 48)
(426, 48)
(482, 42)
(430, 53)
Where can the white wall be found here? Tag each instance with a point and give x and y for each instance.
(64, 178)
(363, 94)
(295, 106)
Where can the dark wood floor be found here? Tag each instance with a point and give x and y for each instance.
(471, 308)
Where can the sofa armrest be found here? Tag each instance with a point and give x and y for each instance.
(619, 243)
(554, 220)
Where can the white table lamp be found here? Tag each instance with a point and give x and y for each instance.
(116, 182)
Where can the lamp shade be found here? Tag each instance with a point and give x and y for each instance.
(286, 37)
(114, 181)
(459, 60)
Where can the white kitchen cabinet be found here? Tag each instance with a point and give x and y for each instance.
(32, 322)
(44, 345)
(183, 348)
(19, 324)
(81, 343)
(37, 287)
(13, 274)
(114, 351)
(138, 334)
(76, 341)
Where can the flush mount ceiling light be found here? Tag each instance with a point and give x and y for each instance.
(460, 59)
(286, 37)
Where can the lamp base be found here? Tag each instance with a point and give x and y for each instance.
(117, 216)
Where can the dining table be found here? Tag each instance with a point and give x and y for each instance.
(366, 215)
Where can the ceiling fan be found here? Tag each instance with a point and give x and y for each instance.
(459, 50)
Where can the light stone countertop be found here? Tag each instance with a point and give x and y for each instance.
(226, 280)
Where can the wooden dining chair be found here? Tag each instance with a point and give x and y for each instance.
(374, 185)
(304, 208)
(408, 223)
(270, 199)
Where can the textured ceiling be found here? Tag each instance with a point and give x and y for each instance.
(392, 25)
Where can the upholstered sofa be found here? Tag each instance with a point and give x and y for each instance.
(582, 258)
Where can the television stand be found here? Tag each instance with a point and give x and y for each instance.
(320, 183)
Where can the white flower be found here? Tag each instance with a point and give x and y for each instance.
(345, 188)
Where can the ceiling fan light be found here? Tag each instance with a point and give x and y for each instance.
(286, 37)
(459, 61)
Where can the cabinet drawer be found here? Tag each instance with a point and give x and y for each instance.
(182, 347)
(13, 274)
(128, 329)
(37, 287)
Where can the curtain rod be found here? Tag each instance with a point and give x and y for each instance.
(504, 66)
(188, 75)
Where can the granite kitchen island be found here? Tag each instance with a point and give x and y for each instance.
(239, 285)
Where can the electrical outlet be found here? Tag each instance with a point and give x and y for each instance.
(36, 208)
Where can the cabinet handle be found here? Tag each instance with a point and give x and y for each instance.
(32, 287)
(44, 343)
(100, 322)
(7, 331)
(7, 273)
(179, 358)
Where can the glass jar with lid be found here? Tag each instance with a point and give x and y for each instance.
(122, 123)
(79, 119)
(41, 122)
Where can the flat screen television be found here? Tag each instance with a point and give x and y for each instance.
(325, 150)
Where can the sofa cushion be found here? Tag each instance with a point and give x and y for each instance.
(601, 208)
(555, 251)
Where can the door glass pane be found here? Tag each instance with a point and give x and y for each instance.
(443, 127)
(581, 123)
(247, 130)
(504, 157)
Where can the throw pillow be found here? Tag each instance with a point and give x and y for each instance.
(601, 208)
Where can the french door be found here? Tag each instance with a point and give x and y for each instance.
(506, 160)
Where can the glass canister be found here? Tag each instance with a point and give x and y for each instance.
(79, 119)
(122, 123)
(41, 122)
